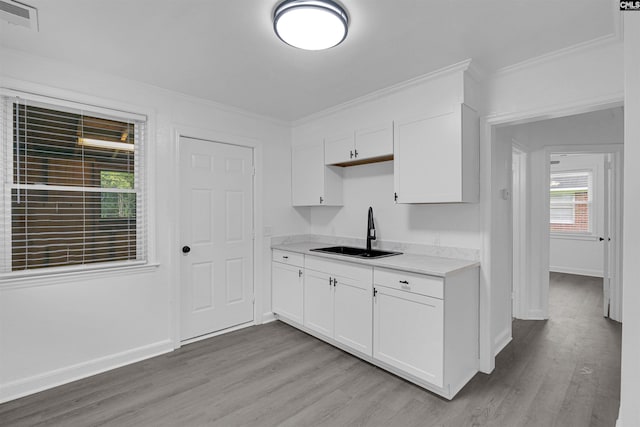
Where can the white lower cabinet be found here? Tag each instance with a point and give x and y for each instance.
(408, 333)
(287, 285)
(337, 302)
(425, 328)
(318, 302)
(420, 327)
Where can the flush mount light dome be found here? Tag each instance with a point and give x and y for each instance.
(310, 24)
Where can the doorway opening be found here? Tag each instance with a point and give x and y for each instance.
(566, 207)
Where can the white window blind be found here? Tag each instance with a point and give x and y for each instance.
(73, 192)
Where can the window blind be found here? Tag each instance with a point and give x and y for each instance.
(73, 186)
(571, 201)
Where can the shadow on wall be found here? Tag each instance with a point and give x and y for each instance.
(453, 224)
(459, 217)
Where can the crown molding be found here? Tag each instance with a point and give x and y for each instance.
(556, 54)
(465, 65)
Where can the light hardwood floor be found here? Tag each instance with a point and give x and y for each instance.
(561, 372)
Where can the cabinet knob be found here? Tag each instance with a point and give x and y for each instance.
(186, 249)
(351, 154)
(356, 153)
(299, 273)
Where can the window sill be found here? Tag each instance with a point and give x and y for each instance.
(34, 278)
(576, 236)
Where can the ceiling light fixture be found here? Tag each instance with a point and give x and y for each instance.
(110, 145)
(310, 24)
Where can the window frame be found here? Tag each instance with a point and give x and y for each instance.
(591, 232)
(7, 99)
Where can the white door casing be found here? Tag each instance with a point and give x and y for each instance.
(216, 211)
(606, 236)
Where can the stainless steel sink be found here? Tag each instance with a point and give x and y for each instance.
(356, 252)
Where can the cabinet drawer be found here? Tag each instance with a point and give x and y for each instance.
(343, 269)
(411, 282)
(291, 258)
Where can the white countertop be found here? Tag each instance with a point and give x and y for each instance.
(423, 264)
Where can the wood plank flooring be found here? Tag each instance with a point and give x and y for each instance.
(561, 372)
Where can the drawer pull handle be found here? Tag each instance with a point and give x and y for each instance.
(285, 257)
(404, 282)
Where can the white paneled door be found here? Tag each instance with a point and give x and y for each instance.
(216, 214)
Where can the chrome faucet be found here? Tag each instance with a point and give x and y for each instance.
(371, 230)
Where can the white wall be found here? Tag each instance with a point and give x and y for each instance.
(580, 254)
(502, 232)
(55, 330)
(630, 388)
(455, 225)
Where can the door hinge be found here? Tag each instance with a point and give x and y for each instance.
(375, 292)
(299, 273)
(321, 200)
(356, 153)
(395, 197)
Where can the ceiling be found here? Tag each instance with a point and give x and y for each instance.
(226, 51)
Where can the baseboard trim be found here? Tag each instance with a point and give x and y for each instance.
(578, 271)
(216, 333)
(268, 318)
(501, 341)
(57, 377)
(533, 315)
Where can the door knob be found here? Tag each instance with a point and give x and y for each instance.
(186, 249)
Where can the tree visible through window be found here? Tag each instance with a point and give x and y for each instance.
(570, 202)
(117, 205)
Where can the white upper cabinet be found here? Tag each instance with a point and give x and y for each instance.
(436, 157)
(313, 183)
(375, 142)
(339, 148)
(429, 127)
(364, 145)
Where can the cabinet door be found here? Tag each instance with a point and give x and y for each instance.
(286, 288)
(375, 141)
(318, 302)
(338, 148)
(307, 175)
(408, 333)
(353, 313)
(428, 158)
